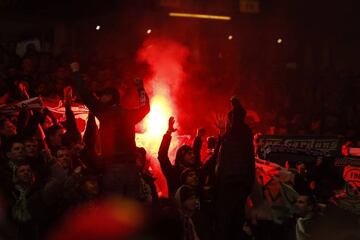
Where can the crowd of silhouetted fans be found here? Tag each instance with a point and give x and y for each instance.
(49, 168)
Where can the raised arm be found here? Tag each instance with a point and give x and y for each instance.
(165, 164)
(24, 115)
(86, 96)
(90, 134)
(197, 144)
(70, 125)
(89, 154)
(210, 164)
(32, 125)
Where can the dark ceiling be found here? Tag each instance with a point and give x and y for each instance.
(339, 16)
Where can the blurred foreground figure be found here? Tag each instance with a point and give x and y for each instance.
(235, 174)
(118, 219)
(117, 134)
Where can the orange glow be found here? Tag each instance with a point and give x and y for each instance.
(203, 16)
(157, 120)
(166, 59)
(154, 127)
(155, 124)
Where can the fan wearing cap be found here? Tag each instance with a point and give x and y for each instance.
(235, 174)
(187, 202)
(190, 178)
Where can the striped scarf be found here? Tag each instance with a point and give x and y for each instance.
(19, 211)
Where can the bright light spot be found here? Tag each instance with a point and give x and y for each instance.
(279, 41)
(148, 31)
(98, 27)
(230, 37)
(156, 122)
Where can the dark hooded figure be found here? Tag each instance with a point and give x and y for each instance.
(186, 157)
(235, 174)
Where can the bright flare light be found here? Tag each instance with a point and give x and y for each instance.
(155, 126)
(156, 122)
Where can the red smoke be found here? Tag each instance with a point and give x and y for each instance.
(166, 59)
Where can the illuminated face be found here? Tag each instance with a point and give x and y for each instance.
(77, 149)
(301, 169)
(31, 148)
(192, 179)
(24, 174)
(63, 156)
(48, 122)
(302, 206)
(106, 98)
(56, 138)
(16, 152)
(189, 158)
